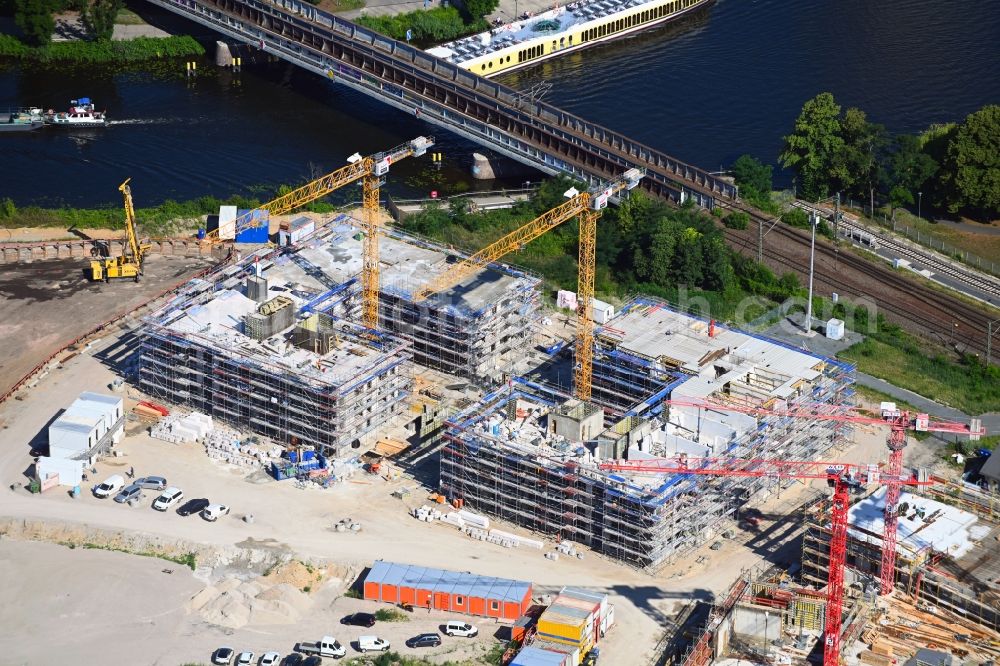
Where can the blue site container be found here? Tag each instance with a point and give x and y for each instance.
(287, 469)
(201, 234)
(257, 232)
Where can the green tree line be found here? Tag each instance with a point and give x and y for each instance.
(954, 167)
(643, 246)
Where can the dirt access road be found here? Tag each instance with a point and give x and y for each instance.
(47, 304)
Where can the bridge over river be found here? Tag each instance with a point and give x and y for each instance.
(493, 115)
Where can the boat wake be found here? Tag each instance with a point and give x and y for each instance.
(142, 121)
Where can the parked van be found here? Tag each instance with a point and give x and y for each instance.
(464, 629)
(170, 497)
(366, 643)
(110, 486)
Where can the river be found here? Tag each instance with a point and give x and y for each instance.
(728, 80)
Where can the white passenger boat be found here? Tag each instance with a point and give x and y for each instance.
(81, 113)
(563, 29)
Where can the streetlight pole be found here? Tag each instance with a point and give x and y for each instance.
(920, 197)
(814, 219)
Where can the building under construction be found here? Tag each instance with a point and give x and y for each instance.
(532, 457)
(269, 343)
(947, 557)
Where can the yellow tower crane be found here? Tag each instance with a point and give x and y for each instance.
(369, 170)
(129, 263)
(585, 205)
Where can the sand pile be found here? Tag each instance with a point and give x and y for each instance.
(235, 603)
(281, 596)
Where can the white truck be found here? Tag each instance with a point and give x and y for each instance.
(328, 646)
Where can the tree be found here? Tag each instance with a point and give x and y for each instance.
(973, 163)
(858, 166)
(34, 18)
(477, 9)
(909, 166)
(752, 176)
(813, 145)
(899, 196)
(99, 17)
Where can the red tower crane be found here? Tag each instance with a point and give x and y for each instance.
(842, 476)
(898, 423)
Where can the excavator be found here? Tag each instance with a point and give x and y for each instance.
(129, 264)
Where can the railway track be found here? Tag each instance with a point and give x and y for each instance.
(900, 298)
(990, 284)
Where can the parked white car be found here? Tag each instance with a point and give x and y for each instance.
(213, 512)
(170, 497)
(110, 486)
(245, 659)
(270, 659)
(366, 643)
(464, 629)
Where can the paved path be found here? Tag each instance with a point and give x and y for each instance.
(133, 31)
(969, 227)
(991, 420)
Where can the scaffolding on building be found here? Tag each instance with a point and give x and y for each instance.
(554, 488)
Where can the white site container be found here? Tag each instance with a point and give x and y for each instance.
(603, 312)
(835, 329)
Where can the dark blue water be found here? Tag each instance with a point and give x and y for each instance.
(726, 81)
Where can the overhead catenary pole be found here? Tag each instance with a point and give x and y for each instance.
(814, 219)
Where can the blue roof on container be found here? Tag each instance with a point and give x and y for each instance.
(451, 582)
(533, 656)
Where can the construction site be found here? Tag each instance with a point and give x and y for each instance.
(348, 343)
(942, 608)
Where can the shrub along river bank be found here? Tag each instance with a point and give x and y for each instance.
(102, 51)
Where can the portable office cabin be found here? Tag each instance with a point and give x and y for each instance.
(453, 591)
(536, 656)
(87, 427)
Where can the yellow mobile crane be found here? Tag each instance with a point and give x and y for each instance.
(129, 263)
(369, 170)
(585, 205)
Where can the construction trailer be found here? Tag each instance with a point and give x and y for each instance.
(454, 591)
(272, 343)
(947, 557)
(503, 457)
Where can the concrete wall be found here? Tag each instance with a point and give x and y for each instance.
(756, 625)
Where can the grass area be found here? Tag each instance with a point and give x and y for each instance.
(170, 217)
(339, 5)
(128, 17)
(104, 51)
(189, 560)
(391, 615)
(966, 385)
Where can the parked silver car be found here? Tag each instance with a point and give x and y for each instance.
(132, 492)
(151, 483)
